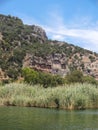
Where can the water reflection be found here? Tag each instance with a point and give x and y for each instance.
(17, 118)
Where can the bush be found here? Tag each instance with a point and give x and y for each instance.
(74, 76)
(89, 79)
(45, 79)
(77, 77)
(30, 76)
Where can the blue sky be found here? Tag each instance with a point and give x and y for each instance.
(73, 21)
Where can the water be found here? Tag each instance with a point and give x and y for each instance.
(22, 118)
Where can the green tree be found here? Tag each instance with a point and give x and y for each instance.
(30, 76)
(89, 79)
(45, 79)
(74, 76)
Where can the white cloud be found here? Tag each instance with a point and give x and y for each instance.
(84, 33)
(58, 37)
(87, 35)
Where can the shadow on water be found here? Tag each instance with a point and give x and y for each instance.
(17, 118)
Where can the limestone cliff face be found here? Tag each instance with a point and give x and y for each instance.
(3, 76)
(55, 64)
(40, 33)
(28, 46)
(61, 65)
(1, 37)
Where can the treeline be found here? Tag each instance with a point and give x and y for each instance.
(48, 80)
(77, 76)
(45, 79)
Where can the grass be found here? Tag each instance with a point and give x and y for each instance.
(77, 96)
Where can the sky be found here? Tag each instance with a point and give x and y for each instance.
(72, 21)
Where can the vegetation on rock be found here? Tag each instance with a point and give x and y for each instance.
(28, 46)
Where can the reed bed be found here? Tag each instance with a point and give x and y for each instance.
(77, 96)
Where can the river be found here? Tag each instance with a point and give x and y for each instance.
(25, 118)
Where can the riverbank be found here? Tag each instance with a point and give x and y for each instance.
(77, 96)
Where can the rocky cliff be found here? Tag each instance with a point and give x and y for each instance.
(59, 63)
(28, 46)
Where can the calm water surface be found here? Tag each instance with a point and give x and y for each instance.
(17, 118)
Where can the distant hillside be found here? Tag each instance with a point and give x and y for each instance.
(28, 46)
